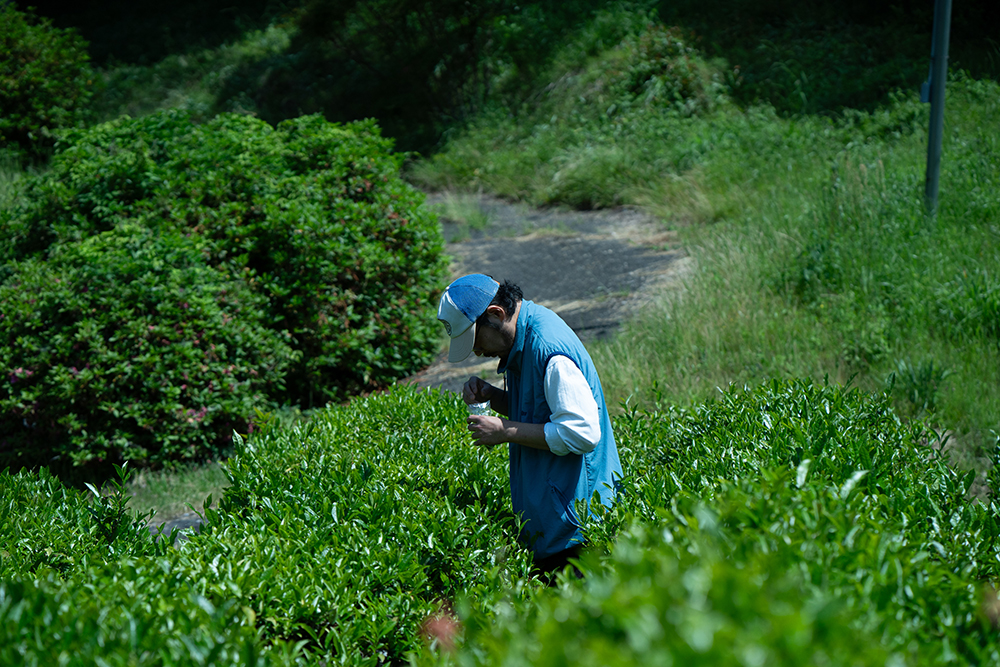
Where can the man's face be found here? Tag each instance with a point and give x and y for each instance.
(496, 338)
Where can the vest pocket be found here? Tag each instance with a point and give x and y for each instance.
(563, 508)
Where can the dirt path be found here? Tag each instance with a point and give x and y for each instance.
(594, 268)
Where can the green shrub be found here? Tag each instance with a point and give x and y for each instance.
(351, 529)
(83, 582)
(47, 81)
(47, 526)
(660, 68)
(832, 484)
(312, 216)
(128, 346)
(656, 601)
(144, 612)
(789, 524)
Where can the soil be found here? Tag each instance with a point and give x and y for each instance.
(593, 268)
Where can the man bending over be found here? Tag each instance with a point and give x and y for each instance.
(554, 417)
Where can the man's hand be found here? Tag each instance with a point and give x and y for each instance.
(477, 390)
(487, 430)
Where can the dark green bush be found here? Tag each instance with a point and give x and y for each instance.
(660, 68)
(312, 216)
(47, 80)
(419, 66)
(128, 346)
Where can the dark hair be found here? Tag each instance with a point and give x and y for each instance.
(507, 297)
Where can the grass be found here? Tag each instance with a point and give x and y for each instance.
(193, 81)
(837, 272)
(814, 255)
(461, 213)
(173, 492)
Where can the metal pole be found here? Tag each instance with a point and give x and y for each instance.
(939, 74)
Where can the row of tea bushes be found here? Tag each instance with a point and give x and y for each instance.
(790, 524)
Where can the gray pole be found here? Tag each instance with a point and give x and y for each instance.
(939, 74)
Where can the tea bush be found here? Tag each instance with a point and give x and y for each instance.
(352, 529)
(47, 81)
(790, 524)
(655, 601)
(329, 246)
(47, 526)
(128, 346)
(145, 612)
(787, 524)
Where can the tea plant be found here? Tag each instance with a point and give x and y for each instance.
(382, 510)
(789, 524)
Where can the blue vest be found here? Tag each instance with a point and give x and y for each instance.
(543, 486)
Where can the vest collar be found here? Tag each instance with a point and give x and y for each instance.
(514, 358)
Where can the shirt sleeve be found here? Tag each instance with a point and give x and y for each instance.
(574, 426)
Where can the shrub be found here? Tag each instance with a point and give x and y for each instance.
(655, 602)
(48, 526)
(82, 582)
(660, 68)
(128, 612)
(350, 530)
(312, 216)
(128, 346)
(47, 80)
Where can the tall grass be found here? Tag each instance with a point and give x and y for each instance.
(814, 254)
(842, 274)
(190, 81)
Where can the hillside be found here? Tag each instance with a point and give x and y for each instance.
(807, 413)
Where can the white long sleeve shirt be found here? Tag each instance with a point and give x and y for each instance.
(574, 426)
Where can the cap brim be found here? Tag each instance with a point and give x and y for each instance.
(461, 345)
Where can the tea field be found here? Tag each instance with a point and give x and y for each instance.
(789, 524)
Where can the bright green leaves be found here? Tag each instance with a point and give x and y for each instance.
(350, 531)
(789, 524)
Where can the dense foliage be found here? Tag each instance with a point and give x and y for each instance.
(792, 524)
(789, 524)
(128, 346)
(823, 57)
(158, 272)
(419, 67)
(46, 81)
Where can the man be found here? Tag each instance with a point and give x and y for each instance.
(554, 418)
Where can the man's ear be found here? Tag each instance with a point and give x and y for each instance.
(496, 313)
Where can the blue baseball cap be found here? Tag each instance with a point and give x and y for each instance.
(461, 304)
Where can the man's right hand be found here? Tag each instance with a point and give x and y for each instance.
(477, 390)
